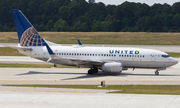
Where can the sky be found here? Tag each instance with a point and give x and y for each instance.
(149, 2)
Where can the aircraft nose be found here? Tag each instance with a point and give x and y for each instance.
(172, 60)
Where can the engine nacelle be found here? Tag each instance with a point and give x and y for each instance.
(112, 67)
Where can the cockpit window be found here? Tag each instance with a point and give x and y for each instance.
(165, 56)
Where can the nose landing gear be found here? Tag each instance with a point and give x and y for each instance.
(156, 72)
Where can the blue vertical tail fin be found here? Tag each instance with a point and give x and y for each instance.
(27, 34)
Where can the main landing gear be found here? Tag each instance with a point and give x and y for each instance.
(92, 71)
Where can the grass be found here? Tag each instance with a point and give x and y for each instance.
(118, 38)
(174, 54)
(16, 65)
(130, 89)
(9, 52)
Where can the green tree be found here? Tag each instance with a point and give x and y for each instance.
(107, 26)
(176, 21)
(97, 26)
(91, 1)
(61, 25)
(49, 25)
(79, 26)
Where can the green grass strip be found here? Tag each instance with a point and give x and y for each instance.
(16, 65)
(127, 89)
(4, 51)
(174, 54)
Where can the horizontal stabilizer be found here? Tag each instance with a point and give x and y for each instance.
(18, 47)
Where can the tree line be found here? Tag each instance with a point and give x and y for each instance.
(87, 16)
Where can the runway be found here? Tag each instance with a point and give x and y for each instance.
(171, 76)
(21, 60)
(88, 100)
(28, 97)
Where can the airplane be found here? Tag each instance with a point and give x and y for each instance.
(107, 59)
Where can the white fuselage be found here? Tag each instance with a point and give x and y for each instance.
(129, 57)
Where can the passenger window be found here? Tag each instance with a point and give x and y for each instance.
(127, 55)
(124, 55)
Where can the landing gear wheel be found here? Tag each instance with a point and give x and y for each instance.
(156, 73)
(90, 72)
(95, 70)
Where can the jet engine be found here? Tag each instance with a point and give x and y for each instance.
(112, 67)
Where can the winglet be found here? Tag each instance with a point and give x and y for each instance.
(79, 42)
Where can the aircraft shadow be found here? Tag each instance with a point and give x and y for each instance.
(34, 72)
(99, 74)
(130, 74)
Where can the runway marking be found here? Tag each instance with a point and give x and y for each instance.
(42, 91)
(18, 90)
(66, 92)
(91, 92)
(7, 90)
(30, 91)
(78, 92)
(55, 91)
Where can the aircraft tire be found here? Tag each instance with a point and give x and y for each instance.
(95, 70)
(156, 73)
(90, 71)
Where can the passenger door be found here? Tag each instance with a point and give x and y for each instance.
(153, 57)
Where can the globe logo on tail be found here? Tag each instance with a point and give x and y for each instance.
(31, 38)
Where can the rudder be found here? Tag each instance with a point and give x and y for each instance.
(27, 34)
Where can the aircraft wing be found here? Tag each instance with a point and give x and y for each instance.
(75, 60)
(84, 61)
